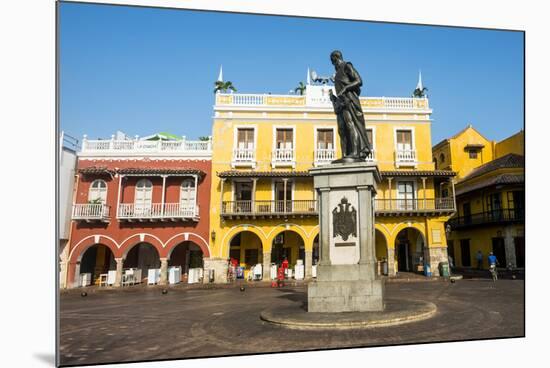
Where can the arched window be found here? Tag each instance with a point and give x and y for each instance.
(144, 191)
(442, 158)
(435, 163)
(188, 193)
(98, 192)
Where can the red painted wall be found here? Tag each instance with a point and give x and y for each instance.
(120, 237)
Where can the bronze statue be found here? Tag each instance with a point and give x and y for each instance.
(347, 107)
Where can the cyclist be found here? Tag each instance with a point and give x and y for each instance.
(492, 260)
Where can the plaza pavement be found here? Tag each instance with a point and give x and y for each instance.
(140, 323)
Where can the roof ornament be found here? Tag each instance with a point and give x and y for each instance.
(420, 90)
(220, 76)
(319, 79)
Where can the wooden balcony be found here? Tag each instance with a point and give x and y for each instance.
(497, 217)
(157, 212)
(91, 212)
(399, 207)
(269, 209)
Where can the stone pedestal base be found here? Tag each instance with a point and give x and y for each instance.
(219, 265)
(345, 288)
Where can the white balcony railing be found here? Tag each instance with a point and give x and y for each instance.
(405, 156)
(157, 211)
(90, 211)
(243, 155)
(135, 146)
(248, 207)
(283, 156)
(324, 156)
(368, 103)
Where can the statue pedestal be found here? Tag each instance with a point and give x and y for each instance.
(346, 274)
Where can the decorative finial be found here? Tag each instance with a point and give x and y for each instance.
(420, 90)
(220, 77)
(419, 85)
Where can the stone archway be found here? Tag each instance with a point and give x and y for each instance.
(93, 261)
(142, 256)
(189, 257)
(410, 250)
(245, 252)
(381, 252)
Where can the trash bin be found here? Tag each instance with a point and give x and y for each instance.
(444, 269)
(427, 270)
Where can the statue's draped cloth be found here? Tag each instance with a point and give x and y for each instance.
(347, 107)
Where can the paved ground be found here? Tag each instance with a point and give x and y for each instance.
(142, 324)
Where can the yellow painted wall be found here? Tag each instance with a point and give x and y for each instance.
(224, 136)
(513, 144)
(457, 158)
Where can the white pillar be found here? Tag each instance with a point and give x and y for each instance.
(119, 194)
(389, 188)
(118, 278)
(162, 195)
(253, 202)
(266, 266)
(424, 191)
(308, 263)
(163, 271)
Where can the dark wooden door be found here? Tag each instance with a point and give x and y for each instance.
(465, 252)
(499, 251)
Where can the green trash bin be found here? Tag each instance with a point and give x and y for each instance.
(444, 269)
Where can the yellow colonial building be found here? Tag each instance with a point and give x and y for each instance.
(263, 205)
(490, 192)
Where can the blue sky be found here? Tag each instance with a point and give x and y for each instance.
(143, 70)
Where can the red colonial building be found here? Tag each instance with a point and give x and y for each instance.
(140, 209)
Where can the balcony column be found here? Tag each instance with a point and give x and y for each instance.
(222, 181)
(162, 194)
(118, 277)
(285, 180)
(253, 197)
(389, 189)
(119, 194)
(454, 196)
(424, 190)
(163, 271)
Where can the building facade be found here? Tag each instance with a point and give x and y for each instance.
(68, 147)
(139, 205)
(263, 207)
(490, 196)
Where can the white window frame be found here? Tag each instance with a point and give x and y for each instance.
(373, 143)
(190, 201)
(145, 208)
(290, 183)
(236, 142)
(316, 129)
(274, 146)
(98, 191)
(413, 145)
(414, 190)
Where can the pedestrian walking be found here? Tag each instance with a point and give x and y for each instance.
(479, 257)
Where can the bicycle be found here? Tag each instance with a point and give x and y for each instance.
(493, 270)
